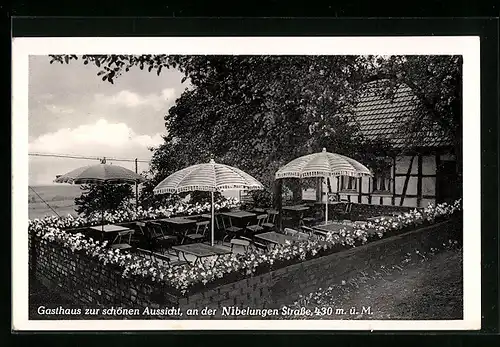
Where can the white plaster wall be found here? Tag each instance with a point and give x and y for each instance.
(412, 185)
(402, 164)
(428, 185)
(429, 165)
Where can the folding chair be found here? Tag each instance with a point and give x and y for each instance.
(240, 242)
(160, 237)
(270, 222)
(156, 257)
(256, 228)
(346, 213)
(254, 244)
(199, 234)
(296, 233)
(230, 230)
(309, 231)
(121, 236)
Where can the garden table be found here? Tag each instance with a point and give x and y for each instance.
(239, 214)
(179, 224)
(373, 219)
(240, 217)
(177, 221)
(277, 238)
(337, 227)
(108, 229)
(296, 208)
(199, 250)
(331, 227)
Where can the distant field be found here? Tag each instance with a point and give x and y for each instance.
(60, 197)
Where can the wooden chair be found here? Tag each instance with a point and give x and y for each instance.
(200, 233)
(346, 213)
(122, 240)
(296, 233)
(156, 258)
(160, 237)
(229, 229)
(310, 232)
(256, 228)
(240, 242)
(255, 244)
(270, 222)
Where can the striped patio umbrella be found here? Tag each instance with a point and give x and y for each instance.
(323, 164)
(100, 174)
(209, 177)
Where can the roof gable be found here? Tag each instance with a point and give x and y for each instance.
(382, 117)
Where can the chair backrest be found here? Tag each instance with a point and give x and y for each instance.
(302, 235)
(226, 221)
(156, 229)
(261, 219)
(289, 231)
(125, 235)
(142, 227)
(203, 226)
(348, 207)
(271, 216)
(216, 222)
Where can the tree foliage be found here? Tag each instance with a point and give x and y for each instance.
(101, 198)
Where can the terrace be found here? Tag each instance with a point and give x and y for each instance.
(183, 240)
(172, 251)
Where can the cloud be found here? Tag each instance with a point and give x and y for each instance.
(112, 140)
(130, 99)
(59, 109)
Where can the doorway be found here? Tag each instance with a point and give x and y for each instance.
(447, 182)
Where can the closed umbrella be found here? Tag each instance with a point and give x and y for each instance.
(209, 177)
(100, 174)
(323, 164)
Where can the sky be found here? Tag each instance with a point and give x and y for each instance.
(72, 111)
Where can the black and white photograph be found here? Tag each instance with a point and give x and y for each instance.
(246, 183)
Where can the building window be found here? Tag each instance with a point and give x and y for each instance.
(348, 183)
(382, 181)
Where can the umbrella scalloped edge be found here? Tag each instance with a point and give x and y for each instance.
(321, 174)
(94, 180)
(204, 188)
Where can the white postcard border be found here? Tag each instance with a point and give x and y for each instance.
(467, 46)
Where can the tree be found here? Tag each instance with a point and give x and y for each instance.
(101, 198)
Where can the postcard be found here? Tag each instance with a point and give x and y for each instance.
(246, 183)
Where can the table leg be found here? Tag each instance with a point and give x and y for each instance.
(184, 256)
(198, 260)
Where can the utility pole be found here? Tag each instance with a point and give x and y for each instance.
(136, 189)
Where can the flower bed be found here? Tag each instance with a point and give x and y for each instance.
(187, 279)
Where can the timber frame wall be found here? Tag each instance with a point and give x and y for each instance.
(420, 177)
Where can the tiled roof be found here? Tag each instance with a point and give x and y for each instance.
(380, 117)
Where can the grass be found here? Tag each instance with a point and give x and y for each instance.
(60, 197)
(424, 286)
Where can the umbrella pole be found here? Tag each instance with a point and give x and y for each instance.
(326, 203)
(102, 210)
(212, 219)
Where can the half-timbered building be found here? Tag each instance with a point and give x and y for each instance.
(415, 176)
